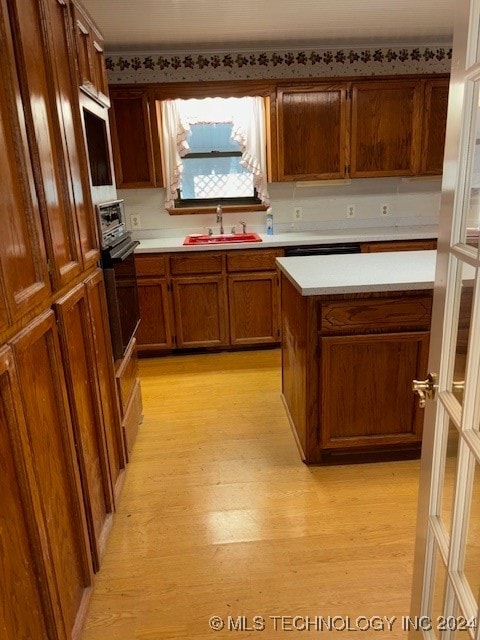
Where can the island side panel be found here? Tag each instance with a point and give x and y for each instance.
(294, 362)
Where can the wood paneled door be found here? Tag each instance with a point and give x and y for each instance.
(76, 333)
(312, 132)
(24, 581)
(45, 406)
(253, 308)
(22, 253)
(386, 128)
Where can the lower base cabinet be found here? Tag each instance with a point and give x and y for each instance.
(130, 395)
(65, 551)
(348, 362)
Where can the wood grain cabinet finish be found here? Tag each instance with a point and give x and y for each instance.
(49, 429)
(386, 128)
(26, 609)
(74, 152)
(200, 310)
(399, 245)
(348, 362)
(90, 55)
(76, 333)
(132, 139)
(129, 391)
(97, 307)
(156, 328)
(434, 126)
(22, 252)
(253, 296)
(312, 132)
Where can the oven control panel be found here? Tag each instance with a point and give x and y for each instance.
(111, 222)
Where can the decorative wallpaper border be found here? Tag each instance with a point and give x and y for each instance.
(298, 63)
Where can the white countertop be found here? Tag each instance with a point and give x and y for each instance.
(360, 272)
(369, 234)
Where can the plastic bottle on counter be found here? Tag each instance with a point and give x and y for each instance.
(269, 222)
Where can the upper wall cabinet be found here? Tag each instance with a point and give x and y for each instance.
(23, 260)
(386, 128)
(132, 139)
(90, 54)
(434, 126)
(312, 132)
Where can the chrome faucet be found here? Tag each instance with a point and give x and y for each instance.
(220, 219)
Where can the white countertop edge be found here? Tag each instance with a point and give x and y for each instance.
(360, 272)
(174, 244)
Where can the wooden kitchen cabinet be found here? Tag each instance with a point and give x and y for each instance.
(129, 392)
(253, 297)
(398, 245)
(90, 55)
(434, 126)
(132, 142)
(23, 259)
(154, 300)
(348, 362)
(48, 425)
(312, 131)
(85, 404)
(105, 371)
(24, 578)
(385, 128)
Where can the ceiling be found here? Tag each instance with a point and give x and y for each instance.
(184, 25)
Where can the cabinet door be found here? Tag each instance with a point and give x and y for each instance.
(253, 305)
(74, 153)
(97, 306)
(45, 405)
(24, 600)
(80, 362)
(386, 122)
(22, 253)
(131, 139)
(155, 330)
(45, 139)
(376, 407)
(434, 126)
(312, 139)
(90, 55)
(200, 307)
(398, 245)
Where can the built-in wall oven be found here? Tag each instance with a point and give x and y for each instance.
(118, 263)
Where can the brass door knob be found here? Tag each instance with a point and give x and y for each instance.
(425, 388)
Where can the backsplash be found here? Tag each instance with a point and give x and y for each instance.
(295, 63)
(409, 202)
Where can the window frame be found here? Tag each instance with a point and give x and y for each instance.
(220, 89)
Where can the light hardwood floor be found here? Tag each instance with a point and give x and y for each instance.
(219, 516)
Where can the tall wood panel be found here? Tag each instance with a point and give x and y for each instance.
(45, 405)
(25, 606)
(132, 139)
(75, 158)
(97, 307)
(434, 125)
(386, 127)
(45, 139)
(312, 135)
(22, 252)
(85, 403)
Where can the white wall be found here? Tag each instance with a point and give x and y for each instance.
(323, 207)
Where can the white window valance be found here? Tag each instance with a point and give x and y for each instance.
(248, 118)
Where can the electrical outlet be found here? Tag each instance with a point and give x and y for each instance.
(297, 213)
(385, 209)
(135, 221)
(351, 210)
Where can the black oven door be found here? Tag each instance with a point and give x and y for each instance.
(121, 286)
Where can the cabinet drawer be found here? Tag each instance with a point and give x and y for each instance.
(182, 264)
(371, 316)
(133, 417)
(253, 260)
(399, 245)
(153, 265)
(127, 376)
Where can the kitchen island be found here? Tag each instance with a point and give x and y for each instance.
(355, 333)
